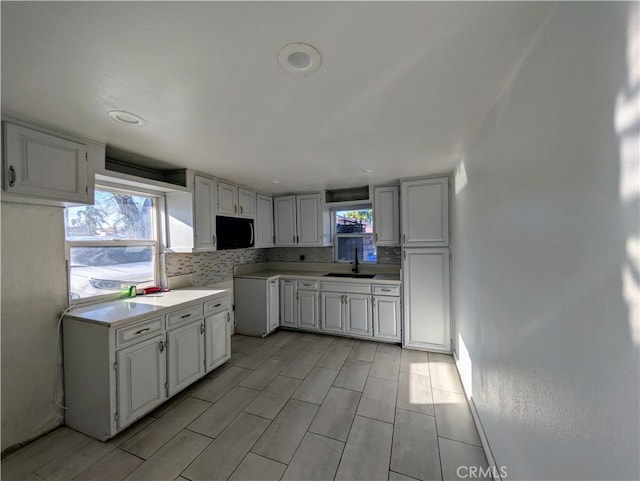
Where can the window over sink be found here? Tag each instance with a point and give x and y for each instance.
(353, 230)
(112, 244)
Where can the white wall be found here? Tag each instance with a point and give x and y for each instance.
(33, 296)
(546, 253)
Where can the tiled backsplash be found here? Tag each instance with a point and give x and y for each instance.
(292, 254)
(210, 267)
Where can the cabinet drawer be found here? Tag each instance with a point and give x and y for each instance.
(345, 287)
(308, 285)
(384, 290)
(216, 305)
(142, 330)
(184, 315)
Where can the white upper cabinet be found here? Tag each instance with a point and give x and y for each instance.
(246, 202)
(205, 214)
(425, 212)
(302, 220)
(227, 199)
(264, 221)
(40, 164)
(285, 220)
(386, 214)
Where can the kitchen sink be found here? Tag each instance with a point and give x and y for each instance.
(352, 276)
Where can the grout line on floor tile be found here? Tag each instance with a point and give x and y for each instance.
(461, 442)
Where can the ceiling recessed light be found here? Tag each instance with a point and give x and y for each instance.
(126, 118)
(299, 58)
(275, 181)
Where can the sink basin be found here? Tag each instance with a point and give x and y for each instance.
(352, 276)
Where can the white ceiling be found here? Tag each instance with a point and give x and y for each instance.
(401, 88)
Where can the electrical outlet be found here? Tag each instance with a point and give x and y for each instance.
(301, 257)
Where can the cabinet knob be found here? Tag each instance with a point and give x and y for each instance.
(161, 346)
(201, 328)
(213, 239)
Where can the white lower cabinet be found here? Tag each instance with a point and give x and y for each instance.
(257, 302)
(358, 314)
(288, 308)
(185, 356)
(308, 309)
(386, 318)
(140, 379)
(116, 375)
(273, 303)
(333, 311)
(217, 328)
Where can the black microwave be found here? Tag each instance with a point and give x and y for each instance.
(234, 232)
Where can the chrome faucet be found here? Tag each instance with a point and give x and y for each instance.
(355, 263)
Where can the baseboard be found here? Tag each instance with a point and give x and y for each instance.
(495, 469)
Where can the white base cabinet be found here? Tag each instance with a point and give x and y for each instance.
(333, 314)
(308, 317)
(257, 302)
(358, 314)
(426, 299)
(116, 375)
(185, 356)
(386, 318)
(288, 304)
(141, 379)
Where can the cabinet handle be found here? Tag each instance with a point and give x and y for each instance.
(161, 346)
(376, 236)
(217, 305)
(385, 290)
(185, 316)
(235, 209)
(373, 302)
(241, 209)
(201, 328)
(142, 330)
(228, 316)
(213, 239)
(12, 176)
(404, 238)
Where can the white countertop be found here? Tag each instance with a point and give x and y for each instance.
(127, 309)
(317, 275)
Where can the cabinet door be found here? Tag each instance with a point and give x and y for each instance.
(185, 362)
(425, 212)
(358, 314)
(285, 220)
(332, 311)
(140, 379)
(386, 317)
(307, 309)
(43, 165)
(386, 215)
(246, 202)
(273, 304)
(227, 199)
(309, 220)
(217, 328)
(288, 310)
(425, 275)
(264, 221)
(205, 217)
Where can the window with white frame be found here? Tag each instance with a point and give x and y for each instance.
(354, 233)
(112, 244)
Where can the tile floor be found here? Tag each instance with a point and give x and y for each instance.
(292, 406)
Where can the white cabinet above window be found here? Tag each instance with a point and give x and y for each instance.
(40, 164)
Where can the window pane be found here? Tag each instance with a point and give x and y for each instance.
(347, 248)
(354, 221)
(114, 216)
(96, 271)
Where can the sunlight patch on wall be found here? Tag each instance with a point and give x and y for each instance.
(460, 179)
(465, 366)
